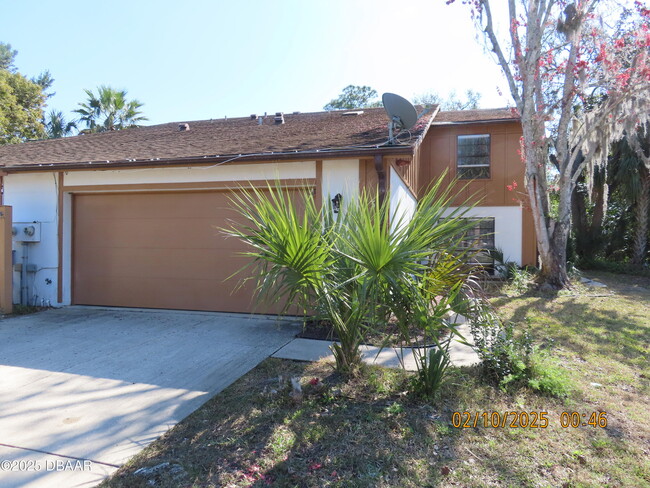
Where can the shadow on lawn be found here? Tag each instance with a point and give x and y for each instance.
(620, 335)
(368, 433)
(355, 438)
(362, 433)
(365, 435)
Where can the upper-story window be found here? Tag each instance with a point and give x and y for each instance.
(473, 156)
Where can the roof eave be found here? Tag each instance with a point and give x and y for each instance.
(486, 121)
(212, 160)
(427, 127)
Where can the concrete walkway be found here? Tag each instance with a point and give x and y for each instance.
(314, 350)
(84, 389)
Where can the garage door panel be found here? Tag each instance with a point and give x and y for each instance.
(189, 233)
(202, 294)
(159, 251)
(164, 264)
(171, 205)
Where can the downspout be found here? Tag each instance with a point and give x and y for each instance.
(24, 288)
(381, 177)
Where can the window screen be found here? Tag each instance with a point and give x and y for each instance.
(473, 158)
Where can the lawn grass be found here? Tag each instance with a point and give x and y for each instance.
(370, 433)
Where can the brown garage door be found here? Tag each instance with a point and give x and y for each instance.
(157, 250)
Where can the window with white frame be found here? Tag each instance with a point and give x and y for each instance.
(473, 156)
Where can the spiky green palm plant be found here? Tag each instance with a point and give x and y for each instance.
(353, 268)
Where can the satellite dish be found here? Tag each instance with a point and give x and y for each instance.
(401, 112)
(400, 109)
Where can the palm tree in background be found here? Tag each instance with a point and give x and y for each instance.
(57, 126)
(632, 172)
(109, 110)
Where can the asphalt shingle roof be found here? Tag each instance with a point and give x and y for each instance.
(301, 134)
(477, 115)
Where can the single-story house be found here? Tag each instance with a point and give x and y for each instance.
(129, 218)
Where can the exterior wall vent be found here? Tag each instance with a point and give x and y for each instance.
(183, 127)
(279, 118)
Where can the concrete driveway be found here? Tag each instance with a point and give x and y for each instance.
(83, 389)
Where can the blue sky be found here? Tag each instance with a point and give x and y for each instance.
(191, 60)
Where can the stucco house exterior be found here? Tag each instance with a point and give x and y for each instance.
(130, 218)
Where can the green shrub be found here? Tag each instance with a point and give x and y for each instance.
(548, 377)
(519, 278)
(505, 359)
(511, 362)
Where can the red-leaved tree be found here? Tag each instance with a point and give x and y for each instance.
(579, 74)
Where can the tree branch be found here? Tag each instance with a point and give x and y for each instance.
(496, 48)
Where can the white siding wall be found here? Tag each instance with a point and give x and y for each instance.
(229, 172)
(507, 229)
(34, 198)
(402, 201)
(340, 176)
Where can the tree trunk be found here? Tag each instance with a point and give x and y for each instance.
(551, 235)
(579, 222)
(554, 274)
(598, 215)
(642, 209)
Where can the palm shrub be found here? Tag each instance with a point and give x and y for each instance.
(421, 320)
(298, 262)
(425, 311)
(353, 268)
(424, 300)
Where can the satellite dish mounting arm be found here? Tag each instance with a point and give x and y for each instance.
(394, 123)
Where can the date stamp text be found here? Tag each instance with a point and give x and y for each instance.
(527, 420)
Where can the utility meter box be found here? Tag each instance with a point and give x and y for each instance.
(26, 231)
